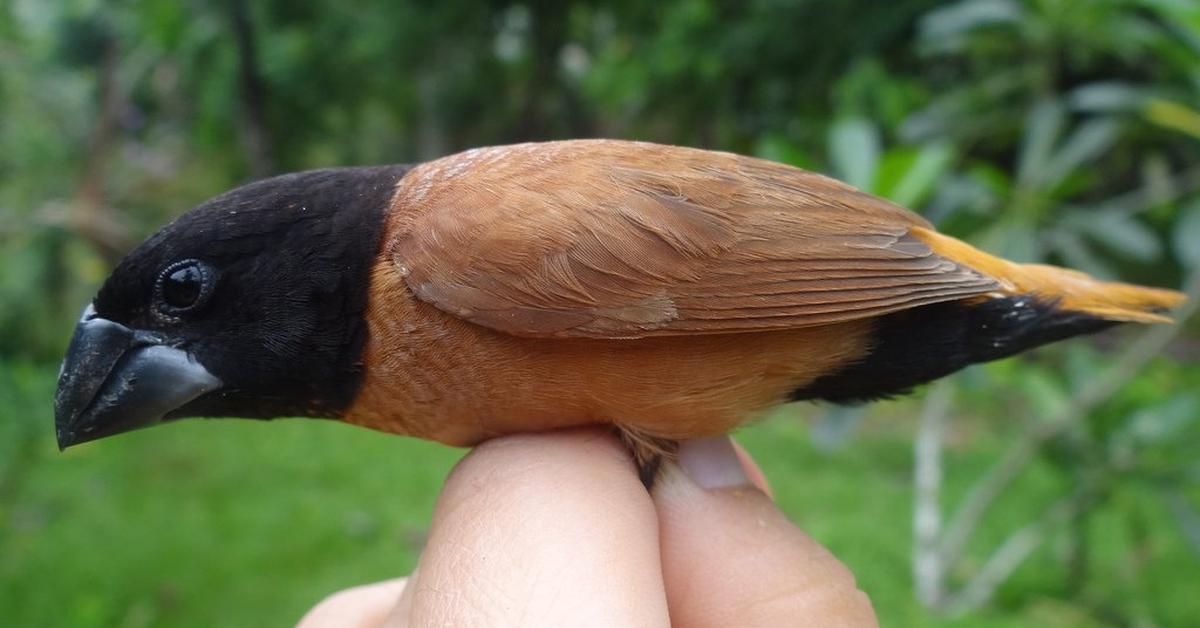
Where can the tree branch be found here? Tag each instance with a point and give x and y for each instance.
(255, 136)
(88, 215)
(1186, 517)
(1013, 551)
(927, 564)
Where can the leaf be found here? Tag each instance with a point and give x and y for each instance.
(854, 151)
(1186, 236)
(1160, 423)
(1013, 240)
(1045, 395)
(957, 193)
(1174, 116)
(1108, 97)
(1121, 234)
(1077, 254)
(1185, 516)
(896, 162)
(995, 180)
(1082, 364)
(1090, 140)
(1042, 128)
(945, 29)
(778, 148)
(923, 172)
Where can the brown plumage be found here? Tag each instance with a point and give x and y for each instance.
(606, 239)
(670, 291)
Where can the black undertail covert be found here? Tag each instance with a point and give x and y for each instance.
(916, 346)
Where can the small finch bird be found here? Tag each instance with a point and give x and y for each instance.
(671, 292)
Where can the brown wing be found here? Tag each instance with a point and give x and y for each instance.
(610, 239)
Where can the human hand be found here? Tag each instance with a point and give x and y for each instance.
(555, 529)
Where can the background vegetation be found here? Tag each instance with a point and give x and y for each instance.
(1061, 488)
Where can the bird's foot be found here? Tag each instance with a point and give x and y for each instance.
(649, 452)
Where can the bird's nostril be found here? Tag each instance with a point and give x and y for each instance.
(143, 338)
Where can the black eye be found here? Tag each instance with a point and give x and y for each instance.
(184, 285)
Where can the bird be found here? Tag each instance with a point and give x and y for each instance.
(673, 293)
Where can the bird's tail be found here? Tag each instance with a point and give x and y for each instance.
(1069, 290)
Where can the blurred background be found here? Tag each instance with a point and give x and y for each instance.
(1061, 488)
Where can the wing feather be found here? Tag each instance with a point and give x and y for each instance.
(608, 239)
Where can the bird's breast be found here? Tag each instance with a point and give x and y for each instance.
(430, 375)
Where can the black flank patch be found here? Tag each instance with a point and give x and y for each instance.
(916, 346)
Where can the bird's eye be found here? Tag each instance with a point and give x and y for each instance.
(184, 285)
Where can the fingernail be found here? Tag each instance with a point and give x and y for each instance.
(712, 462)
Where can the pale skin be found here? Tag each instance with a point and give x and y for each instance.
(555, 529)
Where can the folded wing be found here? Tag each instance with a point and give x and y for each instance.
(610, 239)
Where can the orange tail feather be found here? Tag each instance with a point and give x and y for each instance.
(1070, 289)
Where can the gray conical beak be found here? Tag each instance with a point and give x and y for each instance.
(115, 379)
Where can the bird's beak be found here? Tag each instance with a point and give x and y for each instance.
(115, 379)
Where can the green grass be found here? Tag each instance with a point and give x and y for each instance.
(240, 523)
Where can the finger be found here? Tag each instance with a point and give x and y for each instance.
(365, 606)
(756, 476)
(730, 557)
(542, 530)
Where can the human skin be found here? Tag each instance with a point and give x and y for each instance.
(555, 529)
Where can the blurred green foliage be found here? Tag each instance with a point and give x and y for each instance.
(1057, 130)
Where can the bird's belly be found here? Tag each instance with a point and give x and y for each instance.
(433, 376)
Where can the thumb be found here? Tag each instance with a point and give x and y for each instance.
(730, 557)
